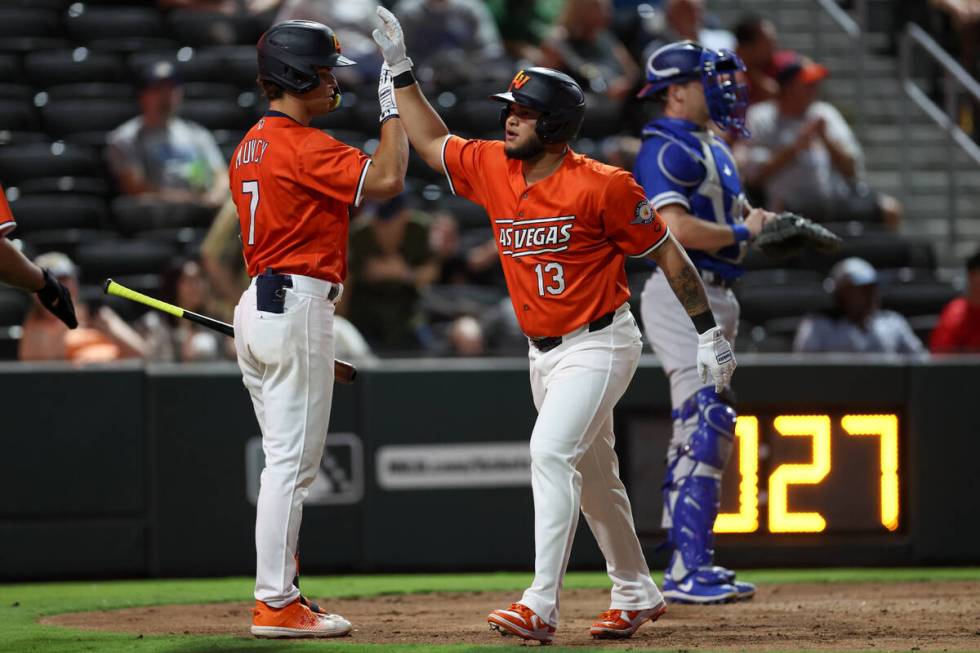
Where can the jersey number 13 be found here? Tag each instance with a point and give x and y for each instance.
(551, 278)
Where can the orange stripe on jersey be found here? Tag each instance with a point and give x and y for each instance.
(7, 222)
(563, 240)
(293, 187)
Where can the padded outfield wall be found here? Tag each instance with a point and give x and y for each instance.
(153, 471)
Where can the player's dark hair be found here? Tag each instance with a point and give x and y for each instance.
(973, 263)
(271, 90)
(748, 28)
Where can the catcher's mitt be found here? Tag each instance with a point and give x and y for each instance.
(789, 234)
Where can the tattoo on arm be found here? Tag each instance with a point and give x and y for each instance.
(687, 286)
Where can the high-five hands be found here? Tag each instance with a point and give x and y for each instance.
(391, 40)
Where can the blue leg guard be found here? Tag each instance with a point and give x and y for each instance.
(691, 499)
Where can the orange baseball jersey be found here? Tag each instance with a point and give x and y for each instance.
(293, 187)
(563, 240)
(7, 222)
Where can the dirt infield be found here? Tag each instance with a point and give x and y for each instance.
(821, 616)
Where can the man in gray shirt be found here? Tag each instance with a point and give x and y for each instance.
(161, 156)
(857, 323)
(804, 155)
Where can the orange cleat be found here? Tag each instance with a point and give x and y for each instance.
(296, 620)
(521, 620)
(620, 624)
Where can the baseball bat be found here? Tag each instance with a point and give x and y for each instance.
(343, 371)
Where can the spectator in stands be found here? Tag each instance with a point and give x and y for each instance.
(453, 41)
(524, 24)
(756, 37)
(101, 335)
(162, 157)
(172, 339)
(391, 263)
(684, 20)
(958, 329)
(221, 258)
(583, 46)
(857, 323)
(804, 155)
(476, 264)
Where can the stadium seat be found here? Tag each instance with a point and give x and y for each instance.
(204, 28)
(601, 118)
(76, 116)
(882, 250)
(10, 67)
(112, 258)
(18, 115)
(217, 114)
(86, 23)
(66, 184)
(210, 91)
(760, 304)
(66, 241)
(916, 297)
(19, 162)
(186, 239)
(13, 305)
(91, 91)
(58, 211)
(19, 92)
(783, 277)
(51, 67)
(478, 115)
(17, 137)
(23, 22)
(134, 215)
(239, 66)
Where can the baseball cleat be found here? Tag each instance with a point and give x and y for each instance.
(692, 590)
(296, 620)
(521, 620)
(620, 624)
(717, 575)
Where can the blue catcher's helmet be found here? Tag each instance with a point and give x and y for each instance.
(686, 61)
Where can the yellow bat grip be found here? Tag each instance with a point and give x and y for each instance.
(113, 288)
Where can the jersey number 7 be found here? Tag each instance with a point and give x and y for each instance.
(251, 188)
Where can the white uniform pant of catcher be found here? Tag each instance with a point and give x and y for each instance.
(574, 466)
(675, 342)
(287, 365)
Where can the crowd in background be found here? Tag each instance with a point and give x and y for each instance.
(425, 281)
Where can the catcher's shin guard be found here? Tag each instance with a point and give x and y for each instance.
(691, 497)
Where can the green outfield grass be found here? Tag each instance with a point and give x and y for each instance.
(22, 604)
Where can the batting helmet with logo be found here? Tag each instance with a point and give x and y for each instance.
(290, 53)
(687, 61)
(556, 95)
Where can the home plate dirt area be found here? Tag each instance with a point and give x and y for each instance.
(924, 616)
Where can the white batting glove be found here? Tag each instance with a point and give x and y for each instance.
(386, 94)
(715, 357)
(391, 40)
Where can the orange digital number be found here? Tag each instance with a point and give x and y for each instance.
(886, 428)
(781, 519)
(746, 520)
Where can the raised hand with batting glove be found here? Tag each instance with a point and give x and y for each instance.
(386, 95)
(391, 40)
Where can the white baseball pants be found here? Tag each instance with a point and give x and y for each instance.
(574, 466)
(287, 365)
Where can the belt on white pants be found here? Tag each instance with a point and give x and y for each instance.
(313, 287)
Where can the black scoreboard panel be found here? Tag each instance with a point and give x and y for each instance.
(821, 471)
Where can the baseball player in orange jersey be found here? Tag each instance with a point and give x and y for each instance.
(564, 225)
(17, 270)
(293, 186)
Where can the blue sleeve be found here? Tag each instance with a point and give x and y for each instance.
(668, 172)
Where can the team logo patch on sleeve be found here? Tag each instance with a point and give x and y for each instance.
(643, 214)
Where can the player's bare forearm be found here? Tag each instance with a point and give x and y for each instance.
(16, 269)
(682, 276)
(694, 233)
(386, 175)
(424, 126)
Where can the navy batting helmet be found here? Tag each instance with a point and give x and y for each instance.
(290, 53)
(556, 95)
(686, 61)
